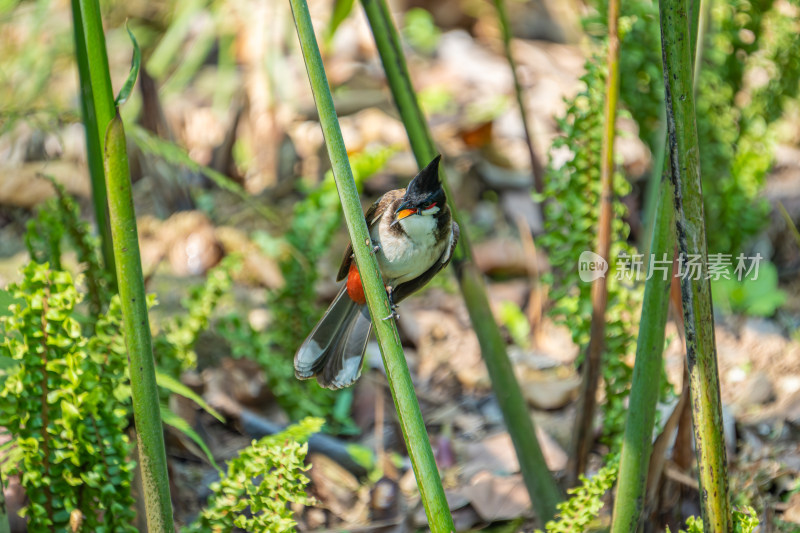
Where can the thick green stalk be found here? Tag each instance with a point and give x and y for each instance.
(638, 440)
(542, 488)
(136, 327)
(701, 352)
(654, 193)
(405, 399)
(584, 422)
(505, 30)
(97, 106)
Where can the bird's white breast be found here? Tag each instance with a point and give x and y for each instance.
(404, 257)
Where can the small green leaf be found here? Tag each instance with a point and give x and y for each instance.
(341, 9)
(420, 30)
(790, 223)
(362, 455)
(6, 300)
(70, 409)
(176, 387)
(172, 419)
(174, 154)
(7, 363)
(136, 61)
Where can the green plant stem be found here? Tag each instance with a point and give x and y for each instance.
(136, 327)
(701, 353)
(638, 439)
(653, 193)
(505, 30)
(405, 399)
(542, 488)
(584, 422)
(97, 107)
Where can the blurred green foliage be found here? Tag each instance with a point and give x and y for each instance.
(437, 99)
(517, 324)
(581, 511)
(744, 521)
(260, 481)
(66, 396)
(755, 295)
(747, 40)
(60, 217)
(749, 73)
(420, 31)
(641, 79)
(66, 403)
(33, 45)
(736, 153)
(571, 218)
(175, 155)
(174, 345)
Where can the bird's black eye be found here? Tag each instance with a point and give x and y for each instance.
(429, 205)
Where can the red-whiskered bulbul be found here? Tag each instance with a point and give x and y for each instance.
(413, 235)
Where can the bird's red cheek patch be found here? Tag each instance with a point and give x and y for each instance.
(354, 287)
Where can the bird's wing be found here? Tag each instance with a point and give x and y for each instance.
(404, 290)
(372, 216)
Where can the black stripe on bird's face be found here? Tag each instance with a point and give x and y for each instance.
(424, 195)
(429, 205)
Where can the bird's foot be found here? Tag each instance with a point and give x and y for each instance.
(392, 305)
(390, 294)
(393, 314)
(376, 248)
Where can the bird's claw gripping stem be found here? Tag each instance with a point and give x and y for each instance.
(392, 305)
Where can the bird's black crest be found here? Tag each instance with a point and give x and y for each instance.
(426, 182)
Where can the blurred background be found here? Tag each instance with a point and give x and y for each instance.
(228, 161)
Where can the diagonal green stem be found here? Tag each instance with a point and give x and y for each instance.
(136, 327)
(542, 488)
(405, 399)
(97, 106)
(701, 352)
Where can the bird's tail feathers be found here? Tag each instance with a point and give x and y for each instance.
(334, 349)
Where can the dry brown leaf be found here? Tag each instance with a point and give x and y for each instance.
(447, 348)
(498, 497)
(792, 513)
(338, 490)
(553, 393)
(493, 454)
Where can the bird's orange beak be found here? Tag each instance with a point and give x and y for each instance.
(406, 212)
